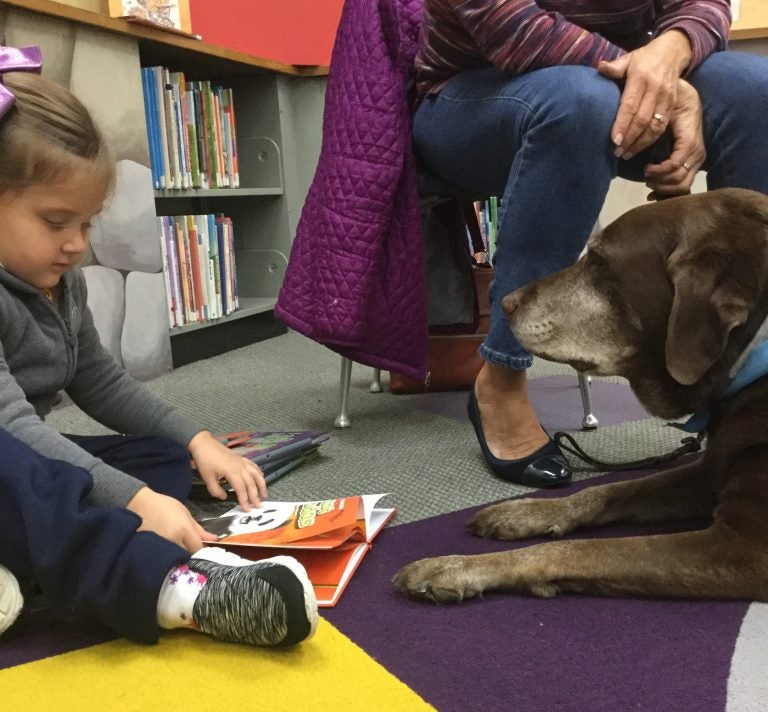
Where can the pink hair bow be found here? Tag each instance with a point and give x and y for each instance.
(17, 59)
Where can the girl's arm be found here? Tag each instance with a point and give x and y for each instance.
(112, 488)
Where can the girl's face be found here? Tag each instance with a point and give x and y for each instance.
(44, 228)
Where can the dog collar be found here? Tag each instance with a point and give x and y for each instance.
(751, 365)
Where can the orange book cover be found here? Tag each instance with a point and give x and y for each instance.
(329, 537)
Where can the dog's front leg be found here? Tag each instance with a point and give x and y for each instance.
(681, 493)
(703, 564)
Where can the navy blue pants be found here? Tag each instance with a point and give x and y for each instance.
(89, 562)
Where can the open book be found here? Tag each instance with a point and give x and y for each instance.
(329, 537)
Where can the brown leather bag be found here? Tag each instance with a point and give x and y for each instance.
(452, 359)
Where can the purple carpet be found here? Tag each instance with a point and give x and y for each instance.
(44, 636)
(506, 652)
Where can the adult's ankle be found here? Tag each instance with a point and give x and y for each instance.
(494, 379)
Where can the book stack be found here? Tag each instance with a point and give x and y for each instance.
(198, 267)
(276, 452)
(191, 131)
(487, 212)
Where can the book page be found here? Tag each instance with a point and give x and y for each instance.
(321, 524)
(309, 525)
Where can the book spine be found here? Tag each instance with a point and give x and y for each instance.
(162, 139)
(166, 270)
(225, 138)
(194, 258)
(213, 264)
(191, 115)
(495, 223)
(220, 157)
(185, 273)
(201, 228)
(148, 119)
(223, 269)
(202, 140)
(172, 131)
(162, 126)
(173, 271)
(210, 134)
(233, 264)
(180, 104)
(233, 134)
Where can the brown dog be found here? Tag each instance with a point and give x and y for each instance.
(671, 296)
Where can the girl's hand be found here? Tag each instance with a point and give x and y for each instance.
(650, 76)
(168, 518)
(674, 176)
(215, 462)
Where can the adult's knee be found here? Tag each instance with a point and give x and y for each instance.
(581, 104)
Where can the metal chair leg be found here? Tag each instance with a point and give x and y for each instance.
(376, 382)
(342, 419)
(589, 421)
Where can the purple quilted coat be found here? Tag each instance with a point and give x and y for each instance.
(355, 279)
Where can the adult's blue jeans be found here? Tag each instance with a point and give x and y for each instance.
(541, 141)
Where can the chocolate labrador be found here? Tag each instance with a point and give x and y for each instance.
(673, 296)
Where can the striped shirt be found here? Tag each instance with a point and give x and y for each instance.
(521, 35)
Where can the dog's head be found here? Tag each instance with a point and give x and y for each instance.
(667, 296)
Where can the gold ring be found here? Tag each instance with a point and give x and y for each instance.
(658, 117)
(686, 166)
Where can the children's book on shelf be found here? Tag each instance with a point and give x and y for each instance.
(191, 130)
(276, 452)
(329, 537)
(198, 267)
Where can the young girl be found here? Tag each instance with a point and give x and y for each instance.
(98, 523)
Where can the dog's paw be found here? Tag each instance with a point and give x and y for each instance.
(443, 579)
(519, 519)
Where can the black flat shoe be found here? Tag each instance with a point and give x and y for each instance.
(544, 468)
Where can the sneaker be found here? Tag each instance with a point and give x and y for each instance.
(11, 600)
(269, 602)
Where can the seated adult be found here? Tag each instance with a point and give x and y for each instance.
(543, 104)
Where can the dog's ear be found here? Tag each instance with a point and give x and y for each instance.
(705, 309)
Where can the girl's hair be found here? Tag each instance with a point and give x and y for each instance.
(45, 132)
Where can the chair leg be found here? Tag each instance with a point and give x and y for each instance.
(342, 419)
(589, 421)
(376, 382)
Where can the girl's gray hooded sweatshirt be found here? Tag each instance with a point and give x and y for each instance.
(46, 348)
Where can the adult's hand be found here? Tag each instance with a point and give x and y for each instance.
(649, 96)
(168, 518)
(674, 175)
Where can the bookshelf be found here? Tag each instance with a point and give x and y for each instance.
(276, 167)
(278, 110)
